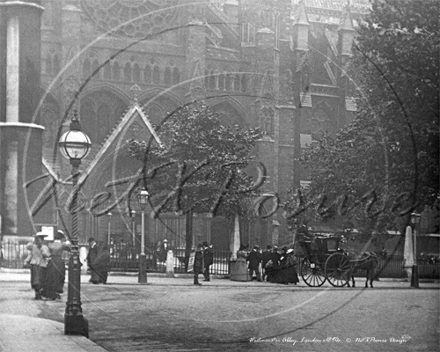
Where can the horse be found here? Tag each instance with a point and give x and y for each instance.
(368, 262)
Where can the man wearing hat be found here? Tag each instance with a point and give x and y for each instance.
(208, 259)
(254, 259)
(91, 256)
(38, 257)
(198, 264)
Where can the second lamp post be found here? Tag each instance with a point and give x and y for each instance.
(142, 198)
(74, 145)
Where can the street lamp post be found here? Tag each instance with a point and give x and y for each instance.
(415, 220)
(133, 225)
(143, 201)
(74, 145)
(109, 228)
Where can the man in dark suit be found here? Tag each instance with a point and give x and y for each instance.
(198, 264)
(91, 256)
(254, 259)
(208, 259)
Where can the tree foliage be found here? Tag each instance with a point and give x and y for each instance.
(388, 157)
(200, 166)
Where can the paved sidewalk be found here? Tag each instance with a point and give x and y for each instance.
(20, 333)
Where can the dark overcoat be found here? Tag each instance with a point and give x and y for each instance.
(254, 258)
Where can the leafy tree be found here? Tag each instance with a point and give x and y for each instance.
(200, 166)
(388, 157)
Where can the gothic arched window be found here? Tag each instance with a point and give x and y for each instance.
(321, 122)
(167, 76)
(156, 75)
(116, 72)
(176, 75)
(212, 83)
(104, 120)
(99, 112)
(147, 74)
(228, 82)
(136, 73)
(221, 81)
(127, 72)
(107, 71)
(244, 82)
(95, 66)
(237, 82)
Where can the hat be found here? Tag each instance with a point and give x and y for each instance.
(40, 234)
(91, 239)
(165, 240)
(290, 250)
(256, 246)
(59, 234)
(269, 247)
(205, 244)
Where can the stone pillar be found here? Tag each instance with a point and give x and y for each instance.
(20, 134)
(170, 264)
(12, 69)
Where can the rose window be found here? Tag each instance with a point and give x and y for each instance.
(132, 18)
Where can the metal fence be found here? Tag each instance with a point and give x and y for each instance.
(126, 259)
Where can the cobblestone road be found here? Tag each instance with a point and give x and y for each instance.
(264, 317)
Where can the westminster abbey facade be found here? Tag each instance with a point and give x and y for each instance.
(124, 64)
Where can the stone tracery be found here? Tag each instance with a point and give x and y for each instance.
(131, 18)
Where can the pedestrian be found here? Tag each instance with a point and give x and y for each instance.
(264, 260)
(254, 259)
(208, 260)
(198, 264)
(37, 260)
(274, 260)
(281, 274)
(292, 275)
(56, 268)
(163, 251)
(91, 256)
(101, 264)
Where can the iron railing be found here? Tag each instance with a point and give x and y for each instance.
(126, 259)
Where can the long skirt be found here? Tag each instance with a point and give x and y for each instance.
(286, 275)
(102, 274)
(94, 276)
(38, 277)
(55, 276)
(291, 274)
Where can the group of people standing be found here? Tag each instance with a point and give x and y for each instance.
(98, 260)
(277, 266)
(203, 259)
(47, 266)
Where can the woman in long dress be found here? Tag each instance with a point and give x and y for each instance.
(56, 268)
(102, 264)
